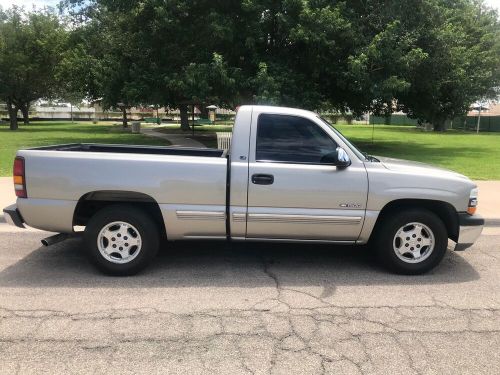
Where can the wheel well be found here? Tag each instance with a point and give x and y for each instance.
(92, 202)
(445, 211)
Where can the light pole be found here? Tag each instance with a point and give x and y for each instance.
(479, 107)
(478, 119)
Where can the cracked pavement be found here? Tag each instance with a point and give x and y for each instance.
(215, 308)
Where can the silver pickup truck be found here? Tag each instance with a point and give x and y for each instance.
(289, 176)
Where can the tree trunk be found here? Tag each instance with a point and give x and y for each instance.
(25, 110)
(125, 119)
(204, 111)
(439, 125)
(12, 115)
(183, 108)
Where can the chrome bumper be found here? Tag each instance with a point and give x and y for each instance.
(13, 217)
(470, 229)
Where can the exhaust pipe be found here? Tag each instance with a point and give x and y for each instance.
(55, 239)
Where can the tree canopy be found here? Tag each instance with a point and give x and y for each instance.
(31, 44)
(429, 58)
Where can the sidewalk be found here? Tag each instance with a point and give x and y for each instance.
(179, 140)
(489, 199)
(7, 196)
(489, 202)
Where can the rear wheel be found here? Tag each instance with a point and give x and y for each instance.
(411, 242)
(121, 240)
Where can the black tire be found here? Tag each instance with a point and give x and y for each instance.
(146, 228)
(386, 233)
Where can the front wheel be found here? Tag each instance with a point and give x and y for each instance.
(411, 242)
(121, 240)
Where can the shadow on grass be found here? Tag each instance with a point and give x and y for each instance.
(220, 264)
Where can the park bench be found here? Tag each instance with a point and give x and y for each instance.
(202, 121)
(152, 120)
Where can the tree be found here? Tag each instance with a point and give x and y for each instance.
(200, 84)
(462, 62)
(30, 49)
(98, 66)
(431, 59)
(152, 53)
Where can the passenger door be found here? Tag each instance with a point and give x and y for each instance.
(292, 192)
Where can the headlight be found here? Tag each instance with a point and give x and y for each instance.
(472, 206)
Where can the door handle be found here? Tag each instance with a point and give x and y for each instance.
(263, 179)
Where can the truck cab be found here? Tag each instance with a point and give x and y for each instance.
(288, 182)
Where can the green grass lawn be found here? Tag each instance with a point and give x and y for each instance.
(47, 133)
(476, 156)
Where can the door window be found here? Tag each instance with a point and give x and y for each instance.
(291, 139)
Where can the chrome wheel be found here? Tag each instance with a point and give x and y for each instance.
(414, 242)
(119, 242)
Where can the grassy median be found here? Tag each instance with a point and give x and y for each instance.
(48, 133)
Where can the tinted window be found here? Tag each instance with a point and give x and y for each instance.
(291, 139)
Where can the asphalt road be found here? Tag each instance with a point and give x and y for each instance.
(206, 308)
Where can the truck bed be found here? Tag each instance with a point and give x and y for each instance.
(134, 149)
(188, 184)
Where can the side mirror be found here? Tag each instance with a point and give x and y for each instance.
(339, 158)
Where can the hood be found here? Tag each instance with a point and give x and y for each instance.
(415, 167)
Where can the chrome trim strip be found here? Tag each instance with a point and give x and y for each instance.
(294, 240)
(200, 215)
(216, 238)
(239, 217)
(304, 219)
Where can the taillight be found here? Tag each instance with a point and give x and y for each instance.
(19, 178)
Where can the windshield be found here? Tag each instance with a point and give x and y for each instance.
(353, 148)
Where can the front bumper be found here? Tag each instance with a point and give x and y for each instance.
(13, 217)
(469, 231)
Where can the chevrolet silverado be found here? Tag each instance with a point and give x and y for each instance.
(289, 176)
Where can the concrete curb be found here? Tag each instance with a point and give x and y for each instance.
(492, 222)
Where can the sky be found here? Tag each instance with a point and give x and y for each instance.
(28, 4)
(41, 3)
(491, 3)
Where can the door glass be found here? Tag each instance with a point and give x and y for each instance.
(291, 139)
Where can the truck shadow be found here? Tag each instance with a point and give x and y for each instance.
(216, 264)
